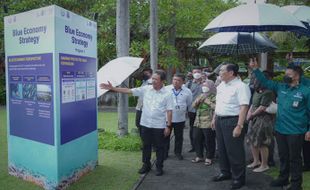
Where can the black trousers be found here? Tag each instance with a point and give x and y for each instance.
(207, 136)
(306, 154)
(155, 137)
(271, 150)
(191, 116)
(289, 147)
(178, 138)
(231, 149)
(138, 119)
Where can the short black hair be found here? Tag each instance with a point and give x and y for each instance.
(196, 68)
(148, 70)
(232, 67)
(180, 75)
(296, 68)
(161, 73)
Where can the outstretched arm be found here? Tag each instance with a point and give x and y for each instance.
(108, 86)
(260, 76)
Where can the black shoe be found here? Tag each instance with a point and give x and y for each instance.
(236, 184)
(191, 150)
(292, 188)
(145, 168)
(279, 183)
(159, 172)
(179, 156)
(221, 177)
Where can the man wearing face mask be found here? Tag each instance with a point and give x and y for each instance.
(292, 123)
(195, 87)
(146, 80)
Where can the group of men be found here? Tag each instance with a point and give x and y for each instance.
(164, 108)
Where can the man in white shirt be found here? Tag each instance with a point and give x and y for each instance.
(157, 106)
(146, 80)
(182, 100)
(232, 100)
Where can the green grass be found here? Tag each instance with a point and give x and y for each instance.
(108, 121)
(274, 172)
(117, 169)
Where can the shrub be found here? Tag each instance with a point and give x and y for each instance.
(2, 90)
(110, 141)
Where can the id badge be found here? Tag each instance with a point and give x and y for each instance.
(295, 104)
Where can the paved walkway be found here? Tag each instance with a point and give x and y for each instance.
(184, 175)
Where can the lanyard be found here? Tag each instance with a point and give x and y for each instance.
(176, 95)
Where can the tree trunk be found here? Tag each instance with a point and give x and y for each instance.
(171, 39)
(122, 46)
(153, 34)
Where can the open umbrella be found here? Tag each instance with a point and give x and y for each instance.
(237, 43)
(255, 18)
(302, 13)
(116, 71)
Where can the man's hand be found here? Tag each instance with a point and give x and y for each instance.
(213, 123)
(307, 136)
(106, 86)
(167, 131)
(237, 131)
(249, 116)
(253, 63)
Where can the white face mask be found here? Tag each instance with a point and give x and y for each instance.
(196, 75)
(205, 89)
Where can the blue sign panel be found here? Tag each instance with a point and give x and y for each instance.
(78, 96)
(31, 97)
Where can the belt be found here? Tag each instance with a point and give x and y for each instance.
(227, 117)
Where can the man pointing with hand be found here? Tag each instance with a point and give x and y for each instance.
(157, 106)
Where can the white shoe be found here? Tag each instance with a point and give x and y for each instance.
(261, 169)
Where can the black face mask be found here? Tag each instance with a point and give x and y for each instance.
(145, 77)
(287, 79)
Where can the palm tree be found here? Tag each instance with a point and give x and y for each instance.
(122, 46)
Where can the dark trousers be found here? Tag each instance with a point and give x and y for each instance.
(152, 136)
(306, 154)
(178, 138)
(289, 147)
(207, 136)
(191, 116)
(271, 150)
(231, 149)
(138, 118)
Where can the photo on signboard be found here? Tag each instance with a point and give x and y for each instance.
(16, 90)
(29, 91)
(44, 93)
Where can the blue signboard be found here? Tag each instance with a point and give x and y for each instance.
(31, 102)
(78, 96)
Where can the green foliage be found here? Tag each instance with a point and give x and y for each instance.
(132, 101)
(2, 90)
(110, 141)
(279, 77)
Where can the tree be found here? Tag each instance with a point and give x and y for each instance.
(122, 44)
(153, 34)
